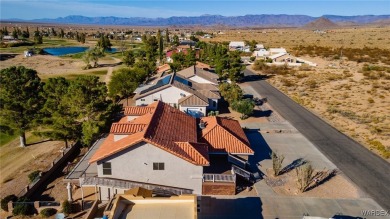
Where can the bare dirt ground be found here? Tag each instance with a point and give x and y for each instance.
(340, 94)
(17, 163)
(336, 187)
(352, 37)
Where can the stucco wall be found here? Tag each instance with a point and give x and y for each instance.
(136, 164)
(169, 95)
(198, 79)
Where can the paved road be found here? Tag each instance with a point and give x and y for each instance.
(370, 172)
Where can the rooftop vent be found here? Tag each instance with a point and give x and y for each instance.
(202, 125)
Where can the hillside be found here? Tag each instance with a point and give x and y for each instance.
(262, 20)
(321, 23)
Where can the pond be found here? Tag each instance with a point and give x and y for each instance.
(60, 51)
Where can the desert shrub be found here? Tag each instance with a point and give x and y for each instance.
(287, 82)
(5, 200)
(277, 161)
(303, 75)
(23, 208)
(370, 100)
(311, 83)
(47, 212)
(304, 176)
(33, 175)
(252, 58)
(385, 152)
(66, 207)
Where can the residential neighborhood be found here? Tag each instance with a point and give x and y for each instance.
(175, 111)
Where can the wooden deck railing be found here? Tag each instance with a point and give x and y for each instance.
(124, 184)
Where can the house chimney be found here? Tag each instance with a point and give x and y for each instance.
(202, 125)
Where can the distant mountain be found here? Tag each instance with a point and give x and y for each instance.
(263, 20)
(321, 23)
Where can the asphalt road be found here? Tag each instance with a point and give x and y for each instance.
(367, 170)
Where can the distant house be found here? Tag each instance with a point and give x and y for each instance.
(163, 68)
(8, 38)
(236, 45)
(162, 149)
(202, 65)
(190, 97)
(282, 57)
(274, 51)
(261, 53)
(259, 46)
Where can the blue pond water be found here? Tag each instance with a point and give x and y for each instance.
(60, 51)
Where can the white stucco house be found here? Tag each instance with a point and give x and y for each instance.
(236, 45)
(187, 95)
(160, 148)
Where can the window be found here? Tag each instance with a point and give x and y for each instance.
(107, 168)
(142, 99)
(158, 166)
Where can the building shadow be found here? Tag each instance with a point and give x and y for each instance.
(261, 149)
(248, 78)
(261, 113)
(296, 163)
(246, 207)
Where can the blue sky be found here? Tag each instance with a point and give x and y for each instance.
(32, 9)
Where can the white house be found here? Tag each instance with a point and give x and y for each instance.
(274, 51)
(187, 95)
(158, 147)
(236, 45)
(261, 53)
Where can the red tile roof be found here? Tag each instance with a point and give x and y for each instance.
(166, 128)
(225, 135)
(176, 132)
(137, 110)
(126, 128)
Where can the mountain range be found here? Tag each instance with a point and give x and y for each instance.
(263, 20)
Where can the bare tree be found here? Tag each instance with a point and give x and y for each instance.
(304, 176)
(277, 161)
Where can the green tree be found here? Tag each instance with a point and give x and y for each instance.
(62, 33)
(160, 45)
(167, 40)
(230, 92)
(245, 107)
(124, 81)
(92, 55)
(190, 58)
(38, 37)
(235, 67)
(104, 43)
(20, 99)
(60, 123)
(87, 98)
(151, 48)
(175, 40)
(128, 58)
(15, 34)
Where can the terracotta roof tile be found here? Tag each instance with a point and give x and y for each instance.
(165, 127)
(138, 110)
(225, 135)
(126, 128)
(163, 68)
